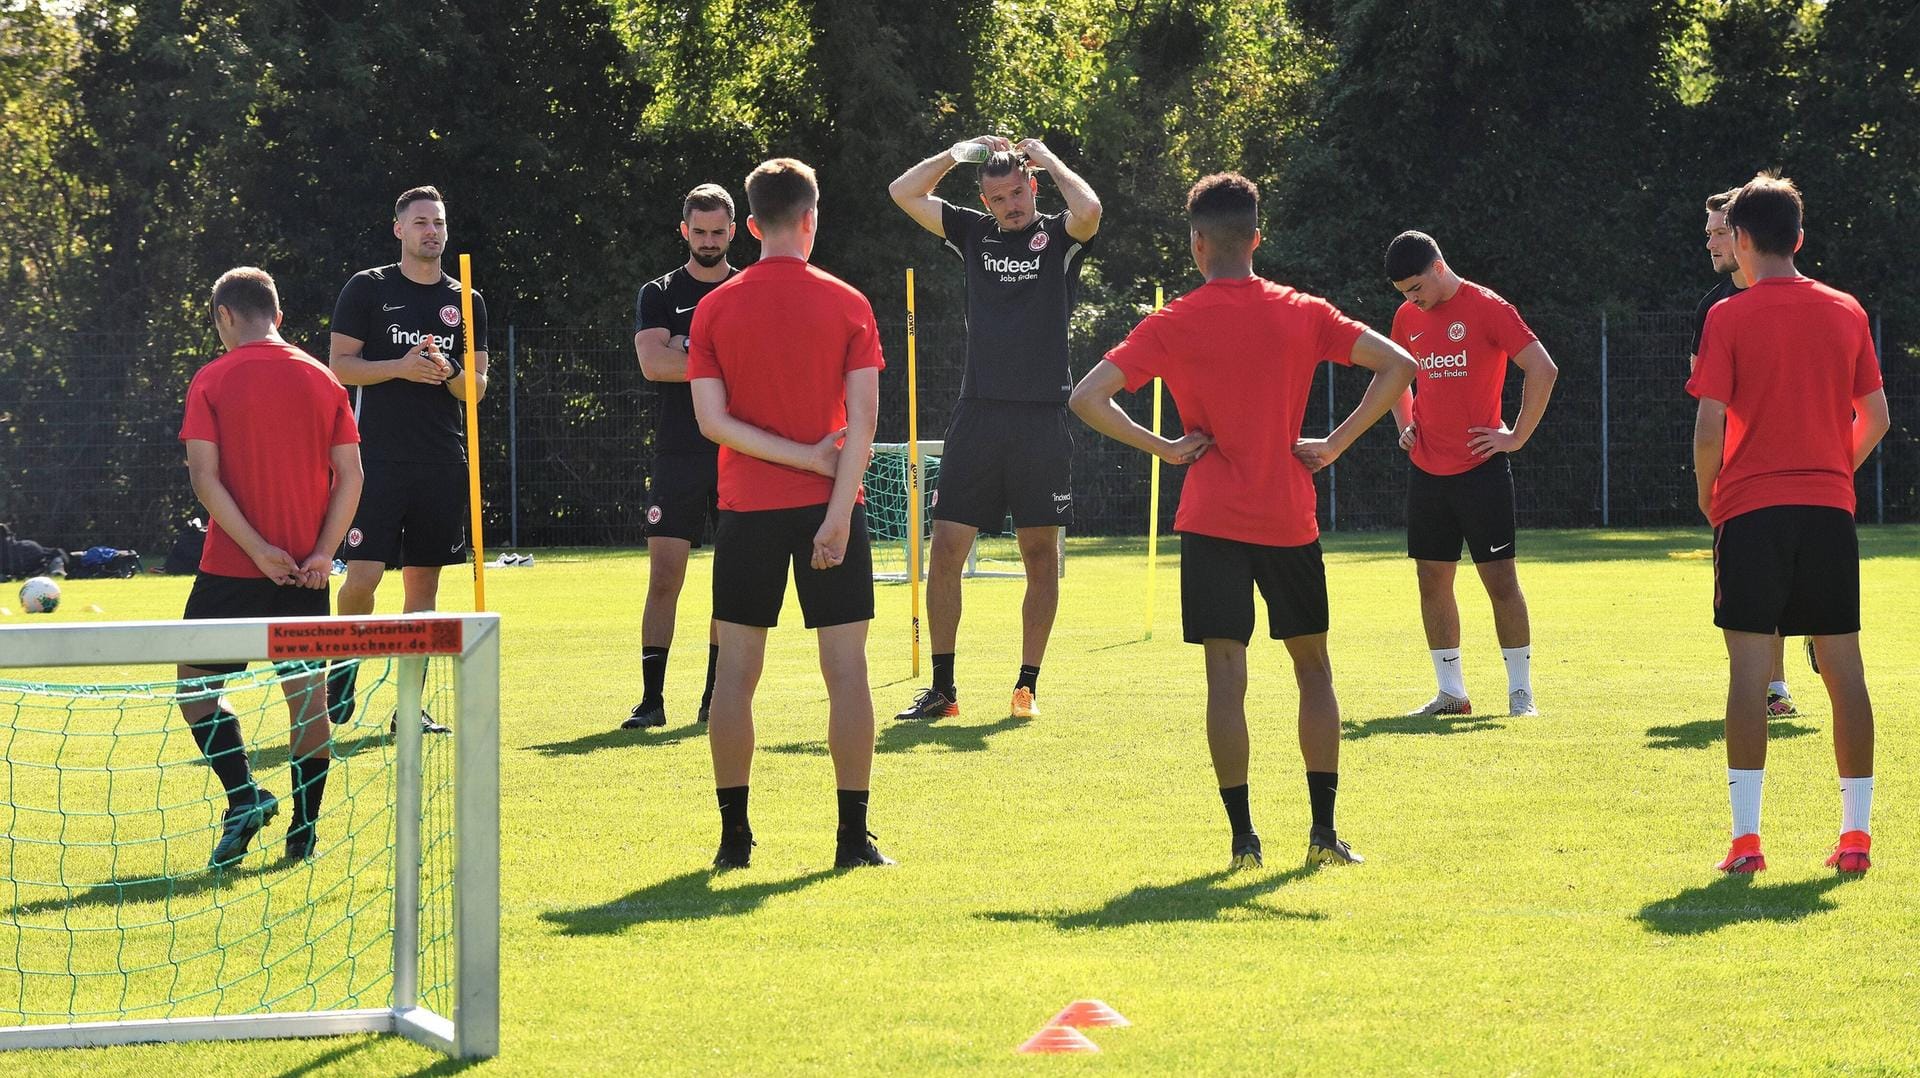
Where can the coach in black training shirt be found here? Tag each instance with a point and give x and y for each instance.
(683, 491)
(397, 342)
(1008, 451)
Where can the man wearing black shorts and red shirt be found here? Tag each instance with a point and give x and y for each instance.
(1008, 451)
(1720, 253)
(397, 340)
(1791, 404)
(785, 364)
(275, 457)
(1460, 488)
(1239, 355)
(683, 490)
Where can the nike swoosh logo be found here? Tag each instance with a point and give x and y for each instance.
(684, 310)
(1455, 659)
(1414, 336)
(393, 306)
(990, 239)
(1498, 549)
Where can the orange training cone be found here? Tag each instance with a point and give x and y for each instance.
(1059, 1039)
(1088, 1014)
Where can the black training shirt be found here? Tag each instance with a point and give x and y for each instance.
(1020, 293)
(401, 420)
(667, 302)
(1720, 291)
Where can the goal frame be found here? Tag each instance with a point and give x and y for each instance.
(473, 1030)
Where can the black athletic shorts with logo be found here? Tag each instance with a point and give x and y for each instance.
(1787, 569)
(410, 514)
(683, 494)
(249, 597)
(1475, 506)
(1006, 457)
(1218, 578)
(751, 555)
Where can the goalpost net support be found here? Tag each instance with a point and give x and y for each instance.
(117, 932)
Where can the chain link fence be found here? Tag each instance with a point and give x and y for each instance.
(89, 452)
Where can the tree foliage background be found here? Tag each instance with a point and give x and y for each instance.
(1559, 149)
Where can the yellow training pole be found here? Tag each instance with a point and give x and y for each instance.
(1153, 491)
(473, 436)
(913, 478)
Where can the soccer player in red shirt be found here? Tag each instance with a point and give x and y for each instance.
(275, 457)
(785, 363)
(1790, 405)
(1460, 487)
(1239, 354)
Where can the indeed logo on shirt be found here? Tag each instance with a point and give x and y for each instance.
(1009, 265)
(413, 337)
(1442, 366)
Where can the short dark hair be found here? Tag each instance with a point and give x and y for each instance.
(1768, 208)
(1411, 254)
(707, 196)
(414, 194)
(780, 190)
(1225, 208)
(1003, 163)
(1718, 202)
(248, 292)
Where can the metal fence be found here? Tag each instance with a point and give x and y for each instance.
(89, 429)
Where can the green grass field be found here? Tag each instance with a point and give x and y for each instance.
(1539, 894)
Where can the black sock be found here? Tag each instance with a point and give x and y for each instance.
(1029, 679)
(653, 674)
(1321, 788)
(853, 814)
(309, 788)
(713, 660)
(1238, 814)
(943, 675)
(733, 814)
(218, 736)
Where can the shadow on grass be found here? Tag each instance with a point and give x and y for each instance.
(1202, 898)
(1418, 724)
(276, 756)
(690, 896)
(1698, 735)
(617, 738)
(157, 888)
(338, 1057)
(908, 736)
(1733, 900)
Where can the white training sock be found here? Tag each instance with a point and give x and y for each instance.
(1446, 669)
(1778, 688)
(1743, 790)
(1519, 667)
(1856, 804)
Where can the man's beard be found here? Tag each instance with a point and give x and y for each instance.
(709, 261)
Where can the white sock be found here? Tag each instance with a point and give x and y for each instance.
(1778, 688)
(1743, 789)
(1856, 804)
(1519, 667)
(1446, 669)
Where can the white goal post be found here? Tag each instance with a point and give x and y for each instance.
(472, 642)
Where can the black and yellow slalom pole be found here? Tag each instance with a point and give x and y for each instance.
(473, 435)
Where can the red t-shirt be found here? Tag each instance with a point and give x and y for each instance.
(782, 336)
(1239, 356)
(1788, 357)
(276, 413)
(1462, 347)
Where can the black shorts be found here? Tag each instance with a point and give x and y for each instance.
(410, 514)
(1006, 457)
(1475, 506)
(683, 495)
(249, 597)
(1218, 577)
(1787, 569)
(751, 553)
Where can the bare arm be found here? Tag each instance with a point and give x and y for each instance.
(1870, 424)
(913, 191)
(1393, 370)
(347, 482)
(203, 467)
(1083, 206)
(353, 369)
(457, 384)
(1709, 437)
(863, 411)
(662, 358)
(719, 426)
(1093, 402)
(1539, 373)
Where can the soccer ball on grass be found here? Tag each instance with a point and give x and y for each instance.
(39, 595)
